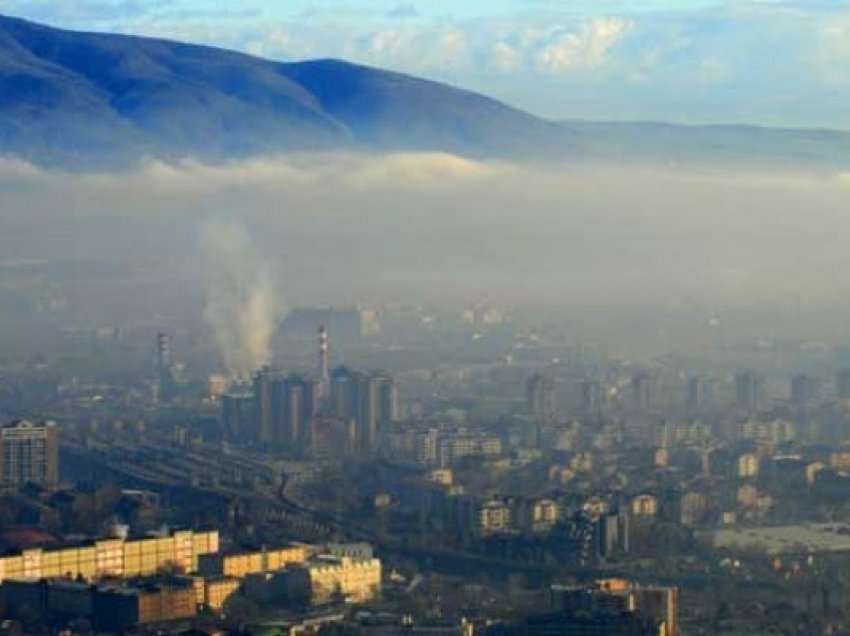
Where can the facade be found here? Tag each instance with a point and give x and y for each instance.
(242, 563)
(218, 591)
(117, 558)
(541, 398)
(110, 608)
(494, 517)
(656, 605)
(29, 453)
(643, 390)
(237, 415)
(749, 391)
(592, 395)
(699, 392)
(369, 401)
(324, 578)
(283, 410)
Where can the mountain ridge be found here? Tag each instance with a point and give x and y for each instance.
(81, 95)
(80, 99)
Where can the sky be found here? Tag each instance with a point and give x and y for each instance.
(770, 62)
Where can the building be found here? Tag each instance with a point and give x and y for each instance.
(217, 591)
(116, 608)
(29, 453)
(749, 391)
(643, 390)
(324, 578)
(368, 400)
(541, 398)
(656, 605)
(592, 395)
(600, 624)
(803, 389)
(494, 517)
(110, 608)
(119, 558)
(240, 563)
(237, 415)
(283, 410)
(699, 392)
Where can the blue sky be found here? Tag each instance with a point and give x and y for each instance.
(775, 62)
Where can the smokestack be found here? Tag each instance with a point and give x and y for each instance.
(163, 352)
(324, 350)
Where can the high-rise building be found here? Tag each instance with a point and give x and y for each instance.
(699, 392)
(378, 399)
(643, 390)
(268, 406)
(344, 393)
(237, 415)
(541, 398)
(29, 453)
(283, 410)
(367, 400)
(299, 410)
(803, 389)
(749, 390)
(592, 395)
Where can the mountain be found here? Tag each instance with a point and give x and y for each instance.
(718, 144)
(82, 99)
(71, 97)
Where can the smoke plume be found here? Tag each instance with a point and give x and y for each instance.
(241, 303)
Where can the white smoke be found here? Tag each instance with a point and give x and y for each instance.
(242, 305)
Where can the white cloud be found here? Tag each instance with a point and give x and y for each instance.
(585, 47)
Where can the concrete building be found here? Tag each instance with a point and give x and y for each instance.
(240, 563)
(218, 591)
(120, 558)
(643, 390)
(749, 391)
(494, 517)
(321, 580)
(29, 453)
(237, 416)
(657, 604)
(541, 398)
(110, 608)
(592, 395)
(699, 392)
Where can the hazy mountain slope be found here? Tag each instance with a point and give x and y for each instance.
(712, 144)
(74, 96)
(395, 110)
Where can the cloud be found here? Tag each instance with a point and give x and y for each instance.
(585, 47)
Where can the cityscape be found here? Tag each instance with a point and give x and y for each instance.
(310, 327)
